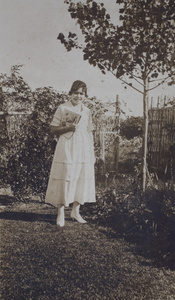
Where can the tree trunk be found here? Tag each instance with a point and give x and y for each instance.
(145, 134)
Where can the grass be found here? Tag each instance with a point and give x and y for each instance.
(110, 257)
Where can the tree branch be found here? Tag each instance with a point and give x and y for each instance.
(127, 83)
(134, 77)
(158, 84)
(158, 79)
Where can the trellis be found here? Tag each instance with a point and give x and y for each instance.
(109, 145)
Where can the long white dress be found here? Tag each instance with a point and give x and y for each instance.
(72, 172)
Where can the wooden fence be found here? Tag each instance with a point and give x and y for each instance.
(161, 135)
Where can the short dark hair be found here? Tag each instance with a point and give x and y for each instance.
(77, 85)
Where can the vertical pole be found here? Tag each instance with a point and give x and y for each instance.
(158, 138)
(145, 135)
(117, 154)
(1, 98)
(103, 146)
(117, 104)
(151, 134)
(103, 158)
(117, 138)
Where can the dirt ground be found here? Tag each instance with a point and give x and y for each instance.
(40, 260)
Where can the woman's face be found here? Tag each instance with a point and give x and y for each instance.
(77, 96)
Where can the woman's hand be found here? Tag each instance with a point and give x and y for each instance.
(59, 130)
(72, 127)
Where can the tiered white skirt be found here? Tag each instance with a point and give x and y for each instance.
(72, 172)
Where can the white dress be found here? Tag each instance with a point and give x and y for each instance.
(72, 172)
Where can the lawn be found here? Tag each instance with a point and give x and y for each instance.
(97, 260)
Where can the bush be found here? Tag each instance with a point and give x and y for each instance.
(29, 168)
(145, 220)
(27, 161)
(130, 154)
(131, 127)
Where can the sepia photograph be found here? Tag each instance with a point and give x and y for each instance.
(87, 149)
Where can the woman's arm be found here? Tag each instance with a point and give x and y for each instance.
(58, 130)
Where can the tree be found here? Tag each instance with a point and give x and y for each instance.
(141, 48)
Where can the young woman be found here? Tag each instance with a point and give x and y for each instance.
(72, 173)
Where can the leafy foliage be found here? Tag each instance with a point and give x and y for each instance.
(34, 159)
(29, 152)
(28, 148)
(131, 127)
(101, 264)
(144, 220)
(141, 47)
(104, 119)
(130, 155)
(17, 95)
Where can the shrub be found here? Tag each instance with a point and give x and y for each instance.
(145, 220)
(30, 168)
(130, 154)
(131, 127)
(30, 145)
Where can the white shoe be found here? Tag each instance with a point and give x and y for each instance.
(60, 217)
(60, 222)
(78, 218)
